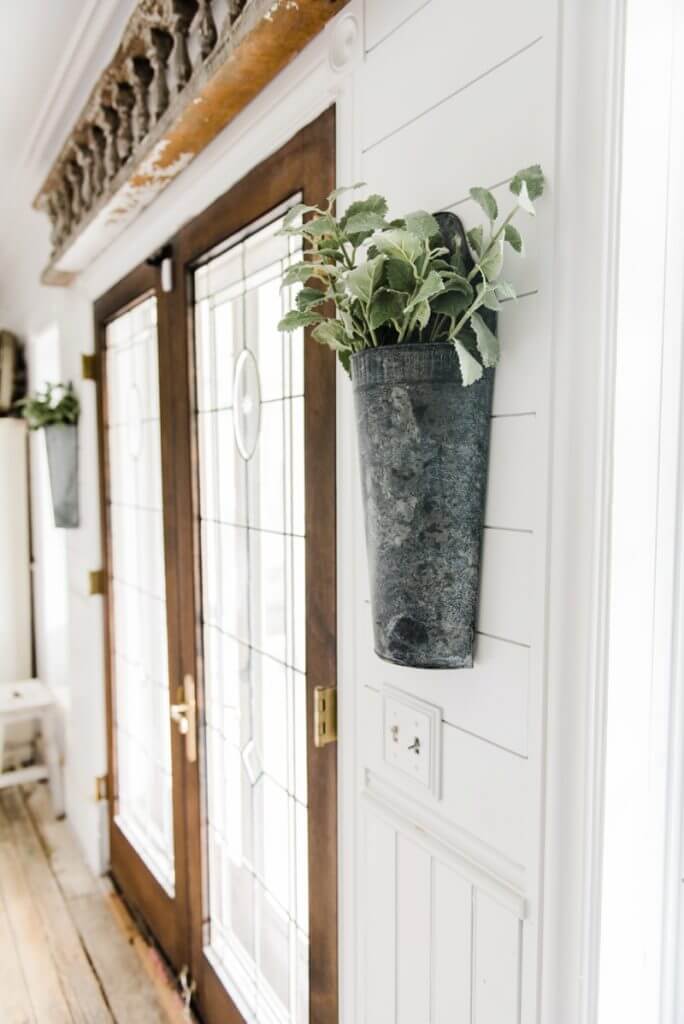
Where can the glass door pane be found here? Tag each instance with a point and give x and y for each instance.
(250, 430)
(142, 740)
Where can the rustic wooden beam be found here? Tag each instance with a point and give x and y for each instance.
(152, 111)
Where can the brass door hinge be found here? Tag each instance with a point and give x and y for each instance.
(325, 715)
(88, 366)
(101, 788)
(96, 581)
(184, 714)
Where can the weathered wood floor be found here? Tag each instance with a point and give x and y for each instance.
(69, 952)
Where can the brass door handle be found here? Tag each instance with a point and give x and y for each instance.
(185, 717)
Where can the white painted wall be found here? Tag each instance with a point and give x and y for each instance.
(468, 907)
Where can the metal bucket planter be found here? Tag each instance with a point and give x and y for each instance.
(423, 446)
(61, 440)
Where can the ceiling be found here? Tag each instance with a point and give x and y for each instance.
(51, 54)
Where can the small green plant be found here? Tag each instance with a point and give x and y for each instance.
(403, 280)
(58, 403)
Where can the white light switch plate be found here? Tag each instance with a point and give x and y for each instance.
(412, 738)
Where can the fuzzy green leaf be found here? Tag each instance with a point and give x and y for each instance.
(514, 238)
(422, 223)
(487, 343)
(309, 297)
(345, 358)
(332, 334)
(524, 201)
(470, 368)
(451, 303)
(373, 204)
(532, 177)
(363, 280)
(430, 286)
(423, 312)
(505, 290)
(336, 192)
(476, 239)
(399, 244)
(320, 226)
(386, 305)
(400, 275)
(296, 211)
(492, 264)
(484, 198)
(297, 318)
(364, 223)
(490, 300)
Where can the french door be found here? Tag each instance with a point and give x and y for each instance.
(218, 474)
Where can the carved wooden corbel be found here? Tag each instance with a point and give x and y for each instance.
(111, 130)
(75, 177)
(125, 102)
(182, 15)
(207, 29)
(142, 75)
(98, 145)
(160, 46)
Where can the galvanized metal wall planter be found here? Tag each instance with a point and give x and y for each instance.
(61, 441)
(423, 446)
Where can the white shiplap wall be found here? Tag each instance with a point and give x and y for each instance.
(440, 906)
(454, 95)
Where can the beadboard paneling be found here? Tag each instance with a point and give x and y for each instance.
(446, 950)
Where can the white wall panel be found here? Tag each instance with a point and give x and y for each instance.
(497, 963)
(379, 945)
(513, 478)
(383, 17)
(15, 585)
(440, 67)
(414, 930)
(451, 946)
(520, 379)
(479, 136)
(506, 585)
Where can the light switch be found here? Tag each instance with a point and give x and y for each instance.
(412, 737)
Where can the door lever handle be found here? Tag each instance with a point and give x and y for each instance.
(185, 717)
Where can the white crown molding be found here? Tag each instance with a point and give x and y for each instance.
(95, 36)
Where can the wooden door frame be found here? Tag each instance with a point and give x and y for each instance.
(306, 165)
(162, 914)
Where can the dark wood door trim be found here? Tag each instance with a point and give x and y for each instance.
(164, 915)
(307, 165)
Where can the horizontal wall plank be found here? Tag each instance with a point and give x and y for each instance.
(489, 700)
(433, 161)
(521, 377)
(383, 18)
(506, 585)
(440, 66)
(496, 975)
(413, 932)
(514, 473)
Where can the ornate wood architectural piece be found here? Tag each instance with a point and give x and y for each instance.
(178, 77)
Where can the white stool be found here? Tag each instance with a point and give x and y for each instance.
(25, 701)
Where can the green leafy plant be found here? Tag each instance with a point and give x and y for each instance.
(407, 279)
(58, 403)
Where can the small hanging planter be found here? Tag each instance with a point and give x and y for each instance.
(61, 442)
(423, 449)
(58, 416)
(417, 301)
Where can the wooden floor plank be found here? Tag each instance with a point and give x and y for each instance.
(135, 980)
(80, 986)
(42, 979)
(15, 1003)
(129, 993)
